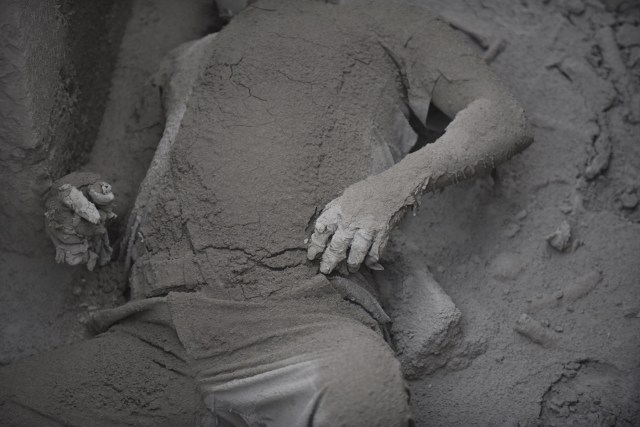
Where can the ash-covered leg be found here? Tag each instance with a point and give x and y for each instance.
(425, 321)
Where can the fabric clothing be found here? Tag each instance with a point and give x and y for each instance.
(188, 359)
(136, 373)
(290, 363)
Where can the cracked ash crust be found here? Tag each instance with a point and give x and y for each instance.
(263, 147)
(292, 103)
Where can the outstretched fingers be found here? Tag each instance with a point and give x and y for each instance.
(326, 225)
(360, 245)
(376, 250)
(318, 241)
(337, 250)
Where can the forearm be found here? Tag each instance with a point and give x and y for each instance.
(488, 128)
(481, 136)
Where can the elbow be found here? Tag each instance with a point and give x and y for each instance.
(512, 126)
(508, 125)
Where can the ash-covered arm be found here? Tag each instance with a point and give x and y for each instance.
(489, 125)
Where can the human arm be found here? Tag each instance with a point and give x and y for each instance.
(489, 126)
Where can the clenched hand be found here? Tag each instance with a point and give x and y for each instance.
(358, 222)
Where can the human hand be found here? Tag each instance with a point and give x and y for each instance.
(359, 221)
(75, 200)
(100, 193)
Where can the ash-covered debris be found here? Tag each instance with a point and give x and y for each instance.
(591, 393)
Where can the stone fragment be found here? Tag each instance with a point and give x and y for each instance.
(535, 331)
(599, 161)
(560, 239)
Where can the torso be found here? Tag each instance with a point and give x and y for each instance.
(296, 104)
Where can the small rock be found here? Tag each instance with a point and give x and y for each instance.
(570, 308)
(558, 295)
(521, 215)
(534, 330)
(561, 238)
(559, 329)
(77, 290)
(629, 200)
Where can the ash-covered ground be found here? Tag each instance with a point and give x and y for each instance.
(542, 258)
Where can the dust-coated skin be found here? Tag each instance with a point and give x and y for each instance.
(297, 105)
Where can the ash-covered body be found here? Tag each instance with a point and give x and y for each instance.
(298, 113)
(296, 103)
(293, 107)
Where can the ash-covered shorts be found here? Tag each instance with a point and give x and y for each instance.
(187, 360)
